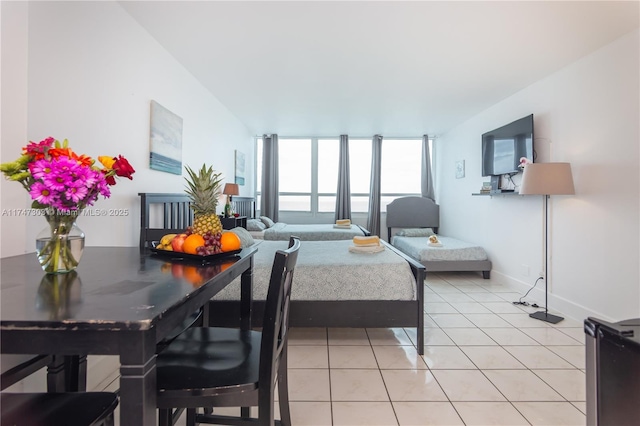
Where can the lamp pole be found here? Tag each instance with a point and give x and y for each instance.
(546, 316)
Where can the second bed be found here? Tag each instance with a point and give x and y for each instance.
(416, 217)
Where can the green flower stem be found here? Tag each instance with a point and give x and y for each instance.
(56, 256)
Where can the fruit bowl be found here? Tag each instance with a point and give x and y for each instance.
(176, 255)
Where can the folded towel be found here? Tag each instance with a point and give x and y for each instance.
(342, 226)
(370, 241)
(343, 222)
(366, 249)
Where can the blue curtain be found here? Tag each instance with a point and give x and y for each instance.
(269, 203)
(343, 198)
(373, 220)
(427, 179)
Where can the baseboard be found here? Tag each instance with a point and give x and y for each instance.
(557, 304)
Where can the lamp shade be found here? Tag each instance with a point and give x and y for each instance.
(547, 179)
(231, 189)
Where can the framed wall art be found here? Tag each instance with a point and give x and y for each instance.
(165, 139)
(459, 169)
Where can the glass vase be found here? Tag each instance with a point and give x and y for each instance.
(60, 245)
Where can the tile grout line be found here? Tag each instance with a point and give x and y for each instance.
(482, 372)
(386, 388)
(436, 379)
(527, 368)
(331, 414)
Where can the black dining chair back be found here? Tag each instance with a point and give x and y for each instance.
(162, 214)
(207, 367)
(273, 351)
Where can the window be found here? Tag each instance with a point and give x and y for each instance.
(360, 174)
(401, 169)
(295, 174)
(328, 164)
(308, 178)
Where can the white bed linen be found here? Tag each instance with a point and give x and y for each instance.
(451, 249)
(257, 235)
(311, 232)
(326, 270)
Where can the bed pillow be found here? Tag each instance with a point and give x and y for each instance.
(268, 222)
(255, 225)
(245, 237)
(415, 232)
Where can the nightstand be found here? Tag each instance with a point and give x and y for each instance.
(233, 222)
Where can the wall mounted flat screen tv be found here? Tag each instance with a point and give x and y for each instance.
(503, 147)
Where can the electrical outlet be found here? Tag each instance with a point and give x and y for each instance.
(541, 274)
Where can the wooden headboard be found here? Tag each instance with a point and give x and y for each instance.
(245, 206)
(412, 212)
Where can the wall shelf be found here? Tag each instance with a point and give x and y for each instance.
(494, 194)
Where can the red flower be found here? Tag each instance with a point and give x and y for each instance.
(39, 149)
(110, 180)
(123, 168)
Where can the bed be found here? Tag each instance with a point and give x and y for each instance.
(328, 291)
(417, 213)
(281, 231)
(336, 288)
(265, 229)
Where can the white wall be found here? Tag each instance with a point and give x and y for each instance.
(586, 114)
(13, 116)
(92, 72)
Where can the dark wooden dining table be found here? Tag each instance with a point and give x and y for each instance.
(119, 301)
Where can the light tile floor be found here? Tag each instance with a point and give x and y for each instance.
(486, 362)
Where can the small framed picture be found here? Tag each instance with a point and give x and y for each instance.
(459, 169)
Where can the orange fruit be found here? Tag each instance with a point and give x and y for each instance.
(192, 242)
(230, 241)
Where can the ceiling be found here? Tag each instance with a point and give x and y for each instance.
(324, 68)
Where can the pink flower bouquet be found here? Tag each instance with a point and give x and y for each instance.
(62, 183)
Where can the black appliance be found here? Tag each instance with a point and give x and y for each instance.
(613, 372)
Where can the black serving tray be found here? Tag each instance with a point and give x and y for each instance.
(178, 256)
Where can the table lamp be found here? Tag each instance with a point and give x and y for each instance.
(547, 179)
(230, 189)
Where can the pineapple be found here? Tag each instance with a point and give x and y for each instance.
(203, 188)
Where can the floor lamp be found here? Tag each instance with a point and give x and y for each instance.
(547, 179)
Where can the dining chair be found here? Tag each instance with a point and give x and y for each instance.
(171, 215)
(207, 367)
(67, 408)
(49, 408)
(174, 215)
